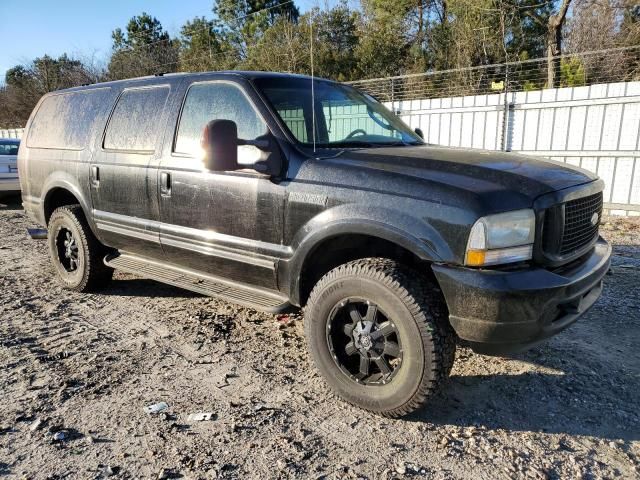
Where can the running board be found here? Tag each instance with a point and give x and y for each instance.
(260, 299)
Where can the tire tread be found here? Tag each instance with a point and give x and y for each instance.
(425, 302)
(96, 274)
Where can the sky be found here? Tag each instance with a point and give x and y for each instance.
(31, 28)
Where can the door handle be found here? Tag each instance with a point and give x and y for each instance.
(95, 175)
(165, 184)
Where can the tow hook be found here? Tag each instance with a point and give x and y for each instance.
(37, 233)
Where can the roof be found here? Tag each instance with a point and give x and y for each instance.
(250, 75)
(255, 75)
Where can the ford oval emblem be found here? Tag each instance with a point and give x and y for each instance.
(594, 219)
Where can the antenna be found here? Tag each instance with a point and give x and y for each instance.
(313, 95)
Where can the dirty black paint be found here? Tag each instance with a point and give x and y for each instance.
(152, 196)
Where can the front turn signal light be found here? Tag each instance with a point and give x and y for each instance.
(475, 258)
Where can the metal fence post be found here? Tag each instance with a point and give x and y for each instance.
(505, 112)
(393, 89)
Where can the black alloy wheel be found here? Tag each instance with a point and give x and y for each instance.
(67, 247)
(364, 342)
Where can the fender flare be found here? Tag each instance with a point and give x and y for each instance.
(65, 181)
(406, 231)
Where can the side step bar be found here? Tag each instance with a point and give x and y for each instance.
(265, 300)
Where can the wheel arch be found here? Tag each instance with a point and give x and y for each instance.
(349, 239)
(60, 191)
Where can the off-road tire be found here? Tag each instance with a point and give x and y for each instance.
(420, 313)
(91, 273)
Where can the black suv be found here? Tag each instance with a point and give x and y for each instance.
(250, 187)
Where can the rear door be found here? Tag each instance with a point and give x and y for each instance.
(124, 170)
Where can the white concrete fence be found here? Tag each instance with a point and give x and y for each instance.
(595, 127)
(11, 132)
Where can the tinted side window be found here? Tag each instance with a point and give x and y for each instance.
(213, 101)
(65, 121)
(134, 123)
(9, 148)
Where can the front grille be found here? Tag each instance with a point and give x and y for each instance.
(568, 227)
(579, 229)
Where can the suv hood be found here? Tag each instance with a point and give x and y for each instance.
(486, 174)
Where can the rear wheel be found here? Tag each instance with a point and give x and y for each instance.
(378, 332)
(76, 254)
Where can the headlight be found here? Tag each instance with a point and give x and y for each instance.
(502, 238)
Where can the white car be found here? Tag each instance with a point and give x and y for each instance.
(9, 181)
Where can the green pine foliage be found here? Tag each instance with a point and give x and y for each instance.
(351, 40)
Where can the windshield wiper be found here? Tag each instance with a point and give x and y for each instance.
(403, 143)
(357, 144)
(347, 145)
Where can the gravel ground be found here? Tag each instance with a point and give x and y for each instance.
(85, 366)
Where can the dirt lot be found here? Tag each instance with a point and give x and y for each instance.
(87, 365)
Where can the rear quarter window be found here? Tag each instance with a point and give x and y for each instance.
(135, 120)
(65, 121)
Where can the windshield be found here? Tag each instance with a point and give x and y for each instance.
(344, 117)
(9, 148)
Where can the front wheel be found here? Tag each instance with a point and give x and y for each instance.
(378, 333)
(76, 254)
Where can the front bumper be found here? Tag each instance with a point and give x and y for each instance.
(500, 312)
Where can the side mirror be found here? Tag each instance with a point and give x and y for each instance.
(419, 132)
(220, 143)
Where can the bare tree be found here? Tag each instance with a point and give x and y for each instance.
(554, 43)
(25, 84)
(594, 25)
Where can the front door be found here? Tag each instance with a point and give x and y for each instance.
(124, 172)
(227, 224)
